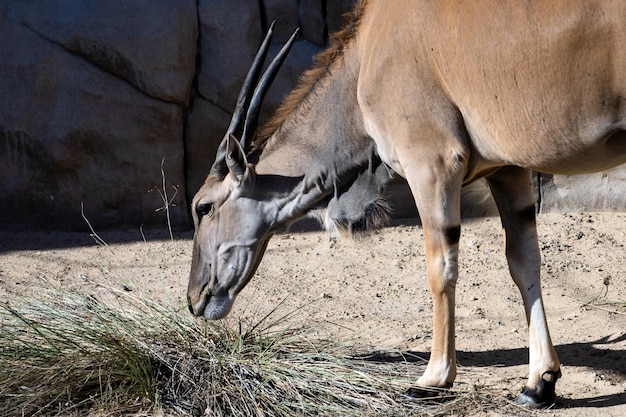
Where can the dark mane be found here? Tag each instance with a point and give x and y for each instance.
(309, 79)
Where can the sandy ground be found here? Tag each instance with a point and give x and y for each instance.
(372, 291)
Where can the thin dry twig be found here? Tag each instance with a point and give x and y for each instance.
(167, 201)
(93, 233)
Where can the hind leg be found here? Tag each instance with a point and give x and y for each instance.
(512, 190)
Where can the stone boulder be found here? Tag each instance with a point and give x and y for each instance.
(601, 191)
(150, 44)
(74, 131)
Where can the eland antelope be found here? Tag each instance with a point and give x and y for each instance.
(442, 93)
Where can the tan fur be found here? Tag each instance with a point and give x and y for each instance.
(443, 92)
(310, 78)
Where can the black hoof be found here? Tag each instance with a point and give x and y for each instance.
(544, 395)
(430, 393)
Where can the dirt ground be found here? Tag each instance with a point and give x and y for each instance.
(372, 291)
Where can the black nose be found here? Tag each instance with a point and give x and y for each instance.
(189, 306)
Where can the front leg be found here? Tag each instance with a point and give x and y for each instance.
(437, 195)
(512, 190)
(442, 240)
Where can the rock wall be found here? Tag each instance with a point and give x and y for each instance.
(92, 100)
(103, 100)
(100, 100)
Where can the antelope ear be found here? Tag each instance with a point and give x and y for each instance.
(219, 168)
(236, 158)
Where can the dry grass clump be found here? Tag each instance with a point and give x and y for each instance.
(64, 353)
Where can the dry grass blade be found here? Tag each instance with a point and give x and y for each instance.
(66, 353)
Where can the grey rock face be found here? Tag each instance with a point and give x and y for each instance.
(96, 94)
(150, 44)
(72, 130)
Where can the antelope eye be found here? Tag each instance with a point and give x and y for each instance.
(204, 209)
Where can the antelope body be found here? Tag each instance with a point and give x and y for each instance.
(442, 93)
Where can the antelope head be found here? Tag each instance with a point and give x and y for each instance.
(232, 221)
(236, 211)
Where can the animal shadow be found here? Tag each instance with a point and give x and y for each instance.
(608, 363)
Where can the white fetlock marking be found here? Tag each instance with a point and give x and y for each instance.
(437, 377)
